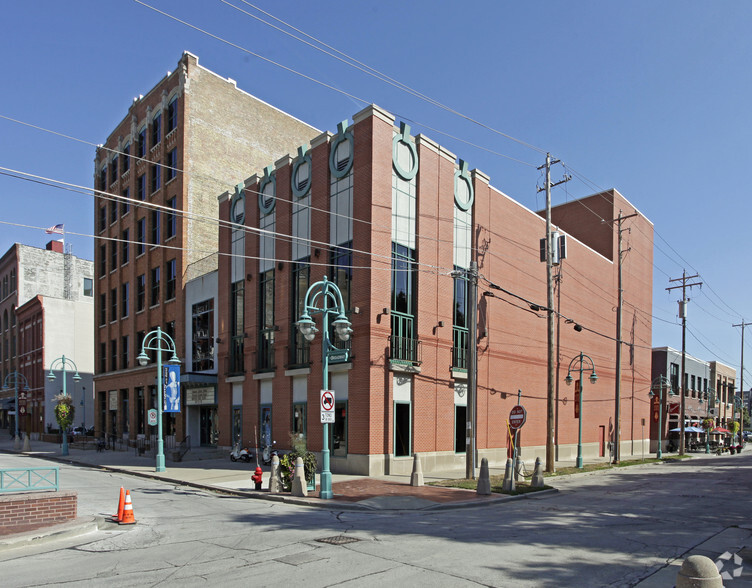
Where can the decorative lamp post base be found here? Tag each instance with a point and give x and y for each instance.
(659, 454)
(65, 443)
(17, 443)
(326, 486)
(160, 464)
(579, 461)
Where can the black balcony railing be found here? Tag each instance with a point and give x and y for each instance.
(459, 348)
(236, 365)
(298, 356)
(405, 350)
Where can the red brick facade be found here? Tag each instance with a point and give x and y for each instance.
(511, 337)
(37, 508)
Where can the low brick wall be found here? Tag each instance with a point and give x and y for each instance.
(37, 508)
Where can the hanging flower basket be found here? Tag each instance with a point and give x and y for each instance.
(65, 412)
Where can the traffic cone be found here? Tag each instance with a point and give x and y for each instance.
(118, 516)
(128, 518)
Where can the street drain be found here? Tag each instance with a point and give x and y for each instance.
(338, 540)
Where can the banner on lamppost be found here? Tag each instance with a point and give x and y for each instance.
(171, 385)
(576, 399)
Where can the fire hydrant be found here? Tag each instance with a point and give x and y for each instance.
(256, 477)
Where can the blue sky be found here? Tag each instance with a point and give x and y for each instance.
(650, 98)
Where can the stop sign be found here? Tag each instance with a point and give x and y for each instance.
(517, 416)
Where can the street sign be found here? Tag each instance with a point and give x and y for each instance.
(337, 355)
(327, 406)
(151, 417)
(517, 416)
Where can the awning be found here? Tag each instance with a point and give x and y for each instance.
(687, 430)
(7, 404)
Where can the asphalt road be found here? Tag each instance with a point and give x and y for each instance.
(627, 527)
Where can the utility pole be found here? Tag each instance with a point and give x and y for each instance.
(617, 392)
(741, 378)
(683, 314)
(550, 457)
(472, 286)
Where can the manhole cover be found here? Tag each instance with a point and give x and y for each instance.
(338, 540)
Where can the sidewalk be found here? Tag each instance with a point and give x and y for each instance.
(204, 470)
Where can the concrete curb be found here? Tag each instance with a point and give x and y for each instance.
(75, 528)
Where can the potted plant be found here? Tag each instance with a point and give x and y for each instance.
(287, 464)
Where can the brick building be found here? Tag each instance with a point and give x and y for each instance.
(388, 218)
(157, 178)
(46, 311)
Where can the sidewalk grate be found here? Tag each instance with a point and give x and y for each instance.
(338, 540)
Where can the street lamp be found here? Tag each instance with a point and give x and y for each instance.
(158, 337)
(63, 363)
(329, 297)
(660, 382)
(83, 410)
(593, 379)
(12, 380)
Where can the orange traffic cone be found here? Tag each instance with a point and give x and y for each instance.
(118, 516)
(127, 518)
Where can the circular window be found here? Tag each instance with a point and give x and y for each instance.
(341, 152)
(301, 176)
(463, 188)
(404, 154)
(237, 205)
(267, 191)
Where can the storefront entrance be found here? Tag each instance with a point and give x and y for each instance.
(209, 429)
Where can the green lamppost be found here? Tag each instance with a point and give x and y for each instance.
(63, 362)
(329, 299)
(12, 379)
(158, 341)
(593, 379)
(661, 382)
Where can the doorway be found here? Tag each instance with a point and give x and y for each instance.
(209, 426)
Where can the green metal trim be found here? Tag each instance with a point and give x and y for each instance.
(239, 196)
(26, 479)
(404, 137)
(463, 175)
(343, 134)
(269, 178)
(303, 157)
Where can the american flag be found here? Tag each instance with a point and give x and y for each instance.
(56, 229)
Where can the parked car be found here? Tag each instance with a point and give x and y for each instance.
(81, 431)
